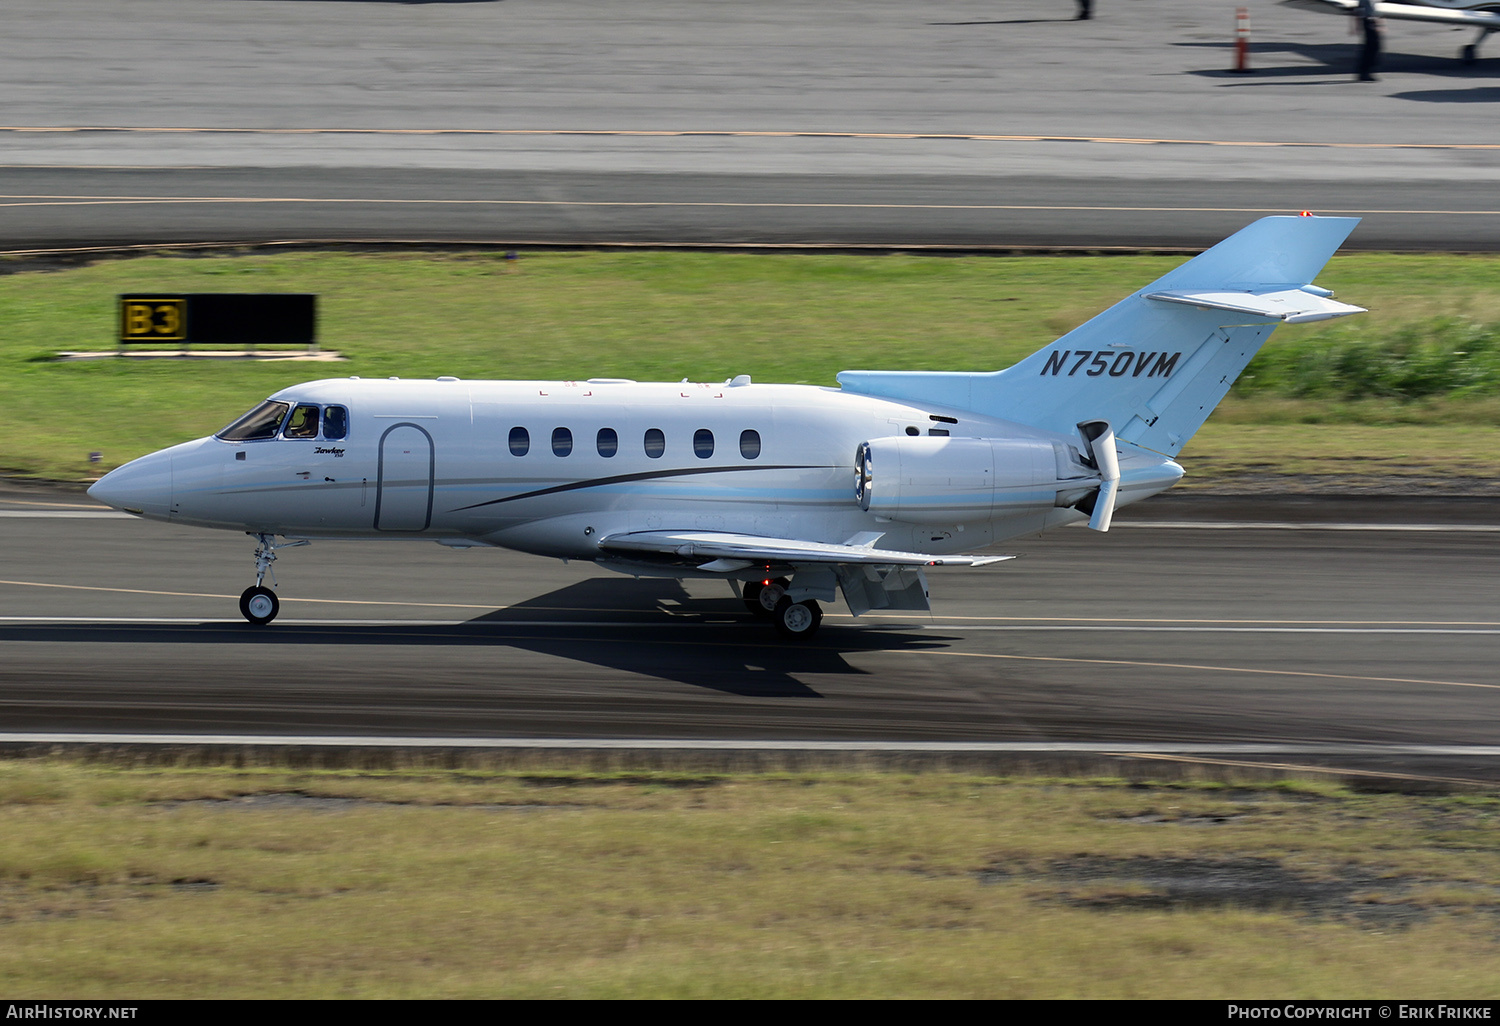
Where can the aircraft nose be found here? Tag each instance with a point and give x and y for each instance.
(142, 487)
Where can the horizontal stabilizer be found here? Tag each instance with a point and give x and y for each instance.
(720, 545)
(1290, 305)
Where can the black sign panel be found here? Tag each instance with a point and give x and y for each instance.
(220, 318)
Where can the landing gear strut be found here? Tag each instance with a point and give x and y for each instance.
(259, 604)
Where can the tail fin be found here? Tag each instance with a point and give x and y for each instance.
(1154, 365)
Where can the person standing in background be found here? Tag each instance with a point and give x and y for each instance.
(1369, 54)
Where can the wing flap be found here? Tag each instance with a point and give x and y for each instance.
(716, 546)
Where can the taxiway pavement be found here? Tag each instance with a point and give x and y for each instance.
(846, 122)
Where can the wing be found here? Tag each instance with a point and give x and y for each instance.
(870, 578)
(1404, 12)
(726, 552)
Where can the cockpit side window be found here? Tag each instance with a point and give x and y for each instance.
(260, 422)
(303, 423)
(335, 423)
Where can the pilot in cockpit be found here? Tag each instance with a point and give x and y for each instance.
(303, 423)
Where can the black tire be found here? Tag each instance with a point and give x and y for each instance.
(799, 620)
(761, 597)
(259, 605)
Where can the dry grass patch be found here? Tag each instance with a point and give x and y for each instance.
(140, 882)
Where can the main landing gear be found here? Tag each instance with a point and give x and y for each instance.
(761, 596)
(259, 604)
(769, 601)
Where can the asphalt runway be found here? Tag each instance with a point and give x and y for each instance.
(845, 123)
(841, 123)
(1340, 632)
(82, 208)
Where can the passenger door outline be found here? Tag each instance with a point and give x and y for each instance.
(404, 507)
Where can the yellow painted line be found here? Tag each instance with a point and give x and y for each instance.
(65, 201)
(1181, 620)
(925, 652)
(88, 201)
(341, 602)
(794, 647)
(740, 134)
(1194, 666)
(54, 505)
(959, 620)
(232, 598)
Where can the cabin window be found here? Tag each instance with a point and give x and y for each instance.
(656, 443)
(562, 441)
(520, 441)
(937, 431)
(912, 431)
(608, 442)
(260, 422)
(750, 444)
(703, 443)
(335, 423)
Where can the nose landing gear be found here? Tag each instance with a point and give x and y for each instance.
(259, 604)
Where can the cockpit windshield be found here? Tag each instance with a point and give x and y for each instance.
(260, 422)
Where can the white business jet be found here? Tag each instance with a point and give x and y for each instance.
(791, 493)
(1483, 15)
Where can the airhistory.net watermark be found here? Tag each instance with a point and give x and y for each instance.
(33, 1010)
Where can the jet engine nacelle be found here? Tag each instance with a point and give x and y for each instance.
(939, 480)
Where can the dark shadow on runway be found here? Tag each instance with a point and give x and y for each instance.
(706, 643)
(721, 646)
(1330, 59)
(1485, 94)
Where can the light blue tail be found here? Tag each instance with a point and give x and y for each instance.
(1155, 364)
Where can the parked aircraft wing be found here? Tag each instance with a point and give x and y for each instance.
(711, 546)
(1292, 305)
(1404, 12)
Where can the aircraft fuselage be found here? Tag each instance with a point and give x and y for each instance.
(553, 467)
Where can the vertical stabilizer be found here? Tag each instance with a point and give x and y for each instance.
(1154, 365)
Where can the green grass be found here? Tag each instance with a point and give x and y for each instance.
(139, 882)
(665, 316)
(1444, 357)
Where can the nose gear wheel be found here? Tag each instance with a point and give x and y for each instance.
(259, 605)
